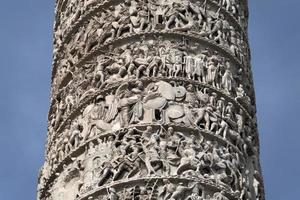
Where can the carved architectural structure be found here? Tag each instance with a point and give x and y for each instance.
(151, 99)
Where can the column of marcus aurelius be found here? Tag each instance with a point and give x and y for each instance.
(151, 99)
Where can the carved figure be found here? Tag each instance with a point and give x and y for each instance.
(151, 100)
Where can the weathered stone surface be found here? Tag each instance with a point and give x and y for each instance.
(151, 100)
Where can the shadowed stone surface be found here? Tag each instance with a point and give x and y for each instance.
(151, 100)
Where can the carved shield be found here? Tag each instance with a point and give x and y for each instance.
(166, 90)
(175, 112)
(156, 103)
(180, 92)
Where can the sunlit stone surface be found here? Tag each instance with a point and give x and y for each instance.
(151, 99)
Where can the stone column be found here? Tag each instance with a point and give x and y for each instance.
(151, 99)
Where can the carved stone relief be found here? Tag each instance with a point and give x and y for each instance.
(155, 152)
(160, 103)
(155, 102)
(151, 100)
(171, 59)
(70, 11)
(139, 17)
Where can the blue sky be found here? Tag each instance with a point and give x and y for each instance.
(25, 60)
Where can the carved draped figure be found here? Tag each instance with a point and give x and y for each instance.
(151, 99)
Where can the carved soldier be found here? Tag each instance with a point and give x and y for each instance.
(61, 150)
(122, 25)
(59, 112)
(154, 66)
(189, 65)
(141, 62)
(218, 26)
(173, 16)
(99, 76)
(75, 137)
(70, 102)
(212, 100)
(212, 70)
(151, 149)
(171, 59)
(224, 127)
(107, 172)
(144, 23)
(135, 160)
(89, 39)
(203, 114)
(164, 152)
(124, 164)
(191, 97)
(240, 121)
(90, 149)
(188, 155)
(124, 106)
(240, 93)
(163, 53)
(159, 15)
(221, 106)
(177, 66)
(189, 18)
(227, 79)
(199, 68)
(97, 166)
(137, 111)
(229, 110)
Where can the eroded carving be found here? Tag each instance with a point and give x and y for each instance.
(151, 100)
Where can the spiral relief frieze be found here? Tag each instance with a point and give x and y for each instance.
(216, 23)
(200, 92)
(151, 100)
